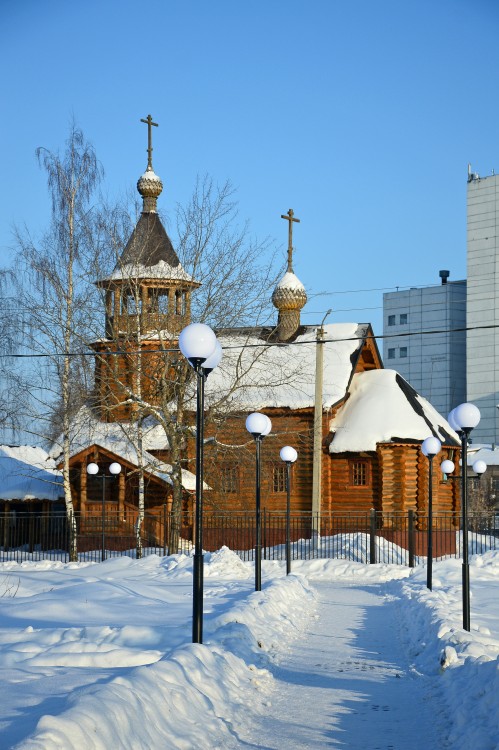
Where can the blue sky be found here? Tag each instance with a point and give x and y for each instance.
(361, 115)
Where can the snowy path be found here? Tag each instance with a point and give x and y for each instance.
(348, 684)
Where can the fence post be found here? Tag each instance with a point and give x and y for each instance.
(31, 530)
(164, 529)
(372, 538)
(264, 541)
(411, 540)
(6, 527)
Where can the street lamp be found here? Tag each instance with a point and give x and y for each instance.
(479, 467)
(200, 347)
(430, 447)
(259, 425)
(114, 470)
(447, 466)
(463, 419)
(289, 456)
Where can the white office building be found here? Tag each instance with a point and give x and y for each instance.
(423, 342)
(482, 371)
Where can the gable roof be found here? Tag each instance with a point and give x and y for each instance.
(382, 407)
(152, 465)
(283, 375)
(120, 440)
(86, 429)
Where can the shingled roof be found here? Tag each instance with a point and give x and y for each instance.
(149, 244)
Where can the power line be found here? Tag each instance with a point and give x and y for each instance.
(263, 344)
(400, 288)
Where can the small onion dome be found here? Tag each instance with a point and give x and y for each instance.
(149, 186)
(289, 293)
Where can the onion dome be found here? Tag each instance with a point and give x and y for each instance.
(150, 187)
(289, 296)
(289, 293)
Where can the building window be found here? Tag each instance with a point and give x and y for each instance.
(359, 473)
(403, 319)
(279, 479)
(229, 480)
(131, 302)
(391, 353)
(158, 301)
(403, 352)
(180, 303)
(391, 320)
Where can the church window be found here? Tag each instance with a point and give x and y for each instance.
(279, 479)
(359, 473)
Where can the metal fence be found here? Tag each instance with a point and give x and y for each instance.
(362, 537)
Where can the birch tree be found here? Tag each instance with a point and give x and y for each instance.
(56, 293)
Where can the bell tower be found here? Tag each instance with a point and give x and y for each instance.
(148, 288)
(147, 298)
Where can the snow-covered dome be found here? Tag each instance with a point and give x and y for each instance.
(289, 296)
(149, 186)
(289, 293)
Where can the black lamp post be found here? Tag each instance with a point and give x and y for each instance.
(463, 419)
(289, 456)
(93, 470)
(259, 425)
(200, 347)
(430, 447)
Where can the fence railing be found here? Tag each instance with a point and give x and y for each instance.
(363, 537)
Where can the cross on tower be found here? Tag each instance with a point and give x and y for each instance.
(290, 217)
(148, 121)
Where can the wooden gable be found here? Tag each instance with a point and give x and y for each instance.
(88, 492)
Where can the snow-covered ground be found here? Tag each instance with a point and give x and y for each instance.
(338, 654)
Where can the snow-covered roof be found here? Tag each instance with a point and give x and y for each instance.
(283, 375)
(120, 438)
(28, 473)
(382, 407)
(160, 270)
(149, 253)
(479, 452)
(117, 437)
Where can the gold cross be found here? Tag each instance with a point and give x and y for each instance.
(149, 124)
(290, 217)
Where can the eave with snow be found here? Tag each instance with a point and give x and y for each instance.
(104, 443)
(28, 476)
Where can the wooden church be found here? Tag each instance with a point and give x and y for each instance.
(357, 427)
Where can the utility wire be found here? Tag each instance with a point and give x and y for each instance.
(260, 345)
